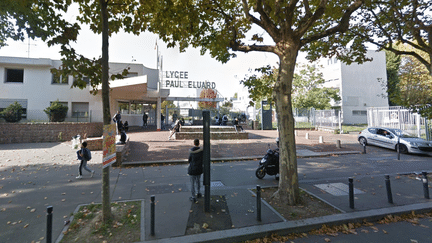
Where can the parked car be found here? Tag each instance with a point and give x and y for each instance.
(389, 137)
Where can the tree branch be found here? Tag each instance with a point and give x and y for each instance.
(341, 27)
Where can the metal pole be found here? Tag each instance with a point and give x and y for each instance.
(206, 159)
(364, 148)
(49, 224)
(351, 192)
(425, 185)
(389, 193)
(152, 215)
(258, 188)
(398, 148)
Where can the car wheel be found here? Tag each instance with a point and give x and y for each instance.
(402, 148)
(260, 173)
(363, 141)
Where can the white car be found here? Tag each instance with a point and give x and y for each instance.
(389, 137)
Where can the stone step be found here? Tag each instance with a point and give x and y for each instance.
(213, 135)
(212, 129)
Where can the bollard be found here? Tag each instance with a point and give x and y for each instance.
(295, 133)
(364, 148)
(425, 185)
(389, 193)
(307, 135)
(351, 192)
(398, 149)
(320, 139)
(49, 224)
(338, 144)
(258, 188)
(152, 215)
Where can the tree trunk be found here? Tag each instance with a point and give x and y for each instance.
(288, 181)
(106, 204)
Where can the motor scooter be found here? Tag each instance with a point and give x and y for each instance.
(269, 164)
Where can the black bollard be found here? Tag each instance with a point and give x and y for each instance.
(389, 193)
(49, 224)
(364, 148)
(351, 192)
(425, 185)
(258, 188)
(398, 149)
(152, 212)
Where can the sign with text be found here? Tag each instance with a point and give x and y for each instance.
(109, 145)
(179, 79)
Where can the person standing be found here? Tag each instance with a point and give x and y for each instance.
(174, 116)
(145, 117)
(162, 122)
(117, 119)
(195, 169)
(84, 155)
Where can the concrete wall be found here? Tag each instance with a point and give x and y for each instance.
(47, 132)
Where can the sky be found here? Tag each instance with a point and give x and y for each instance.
(127, 48)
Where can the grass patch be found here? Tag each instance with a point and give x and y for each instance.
(87, 225)
(353, 128)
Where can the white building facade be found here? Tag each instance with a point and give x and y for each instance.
(30, 82)
(360, 85)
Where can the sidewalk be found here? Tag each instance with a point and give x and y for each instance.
(37, 175)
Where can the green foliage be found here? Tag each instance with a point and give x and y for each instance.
(56, 112)
(12, 113)
(389, 23)
(261, 85)
(166, 104)
(308, 91)
(393, 91)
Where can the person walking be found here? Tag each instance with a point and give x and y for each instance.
(84, 155)
(162, 122)
(195, 169)
(176, 128)
(145, 117)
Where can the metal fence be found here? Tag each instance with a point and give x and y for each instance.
(398, 117)
(327, 119)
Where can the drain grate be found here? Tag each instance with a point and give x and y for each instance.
(337, 189)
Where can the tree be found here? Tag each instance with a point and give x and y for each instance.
(291, 26)
(392, 87)
(56, 112)
(261, 87)
(308, 91)
(12, 113)
(45, 19)
(387, 24)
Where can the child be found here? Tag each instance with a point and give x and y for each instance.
(84, 156)
(195, 168)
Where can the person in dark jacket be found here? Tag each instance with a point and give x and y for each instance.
(195, 168)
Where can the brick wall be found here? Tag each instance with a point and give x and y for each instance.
(47, 132)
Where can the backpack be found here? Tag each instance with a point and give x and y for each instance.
(87, 154)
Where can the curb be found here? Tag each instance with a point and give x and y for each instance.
(298, 226)
(185, 161)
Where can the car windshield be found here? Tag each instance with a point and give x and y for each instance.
(401, 133)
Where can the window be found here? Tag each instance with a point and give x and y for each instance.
(80, 109)
(59, 79)
(14, 75)
(85, 79)
(359, 113)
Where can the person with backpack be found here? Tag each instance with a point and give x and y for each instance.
(84, 155)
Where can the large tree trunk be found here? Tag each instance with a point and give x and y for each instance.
(288, 183)
(106, 207)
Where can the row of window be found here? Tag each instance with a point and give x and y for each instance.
(17, 76)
